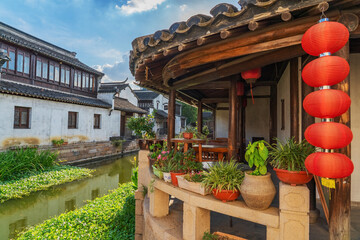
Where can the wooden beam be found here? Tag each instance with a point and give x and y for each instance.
(215, 100)
(235, 47)
(294, 98)
(239, 65)
(171, 117)
(213, 85)
(200, 117)
(340, 203)
(232, 141)
(259, 96)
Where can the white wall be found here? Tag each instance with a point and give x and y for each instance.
(49, 120)
(257, 116)
(355, 124)
(283, 92)
(129, 95)
(106, 97)
(222, 122)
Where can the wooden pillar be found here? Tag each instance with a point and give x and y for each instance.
(306, 121)
(171, 117)
(294, 98)
(273, 113)
(232, 120)
(340, 203)
(200, 117)
(240, 127)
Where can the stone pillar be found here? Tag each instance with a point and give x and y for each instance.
(143, 173)
(159, 203)
(294, 212)
(196, 221)
(139, 215)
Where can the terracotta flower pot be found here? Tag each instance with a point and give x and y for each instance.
(293, 177)
(226, 195)
(258, 191)
(187, 135)
(174, 178)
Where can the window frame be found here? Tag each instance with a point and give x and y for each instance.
(97, 124)
(21, 110)
(73, 114)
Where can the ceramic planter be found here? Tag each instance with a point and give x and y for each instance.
(188, 135)
(174, 178)
(191, 186)
(157, 172)
(167, 177)
(226, 195)
(293, 177)
(257, 191)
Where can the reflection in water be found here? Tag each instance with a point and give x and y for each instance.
(15, 215)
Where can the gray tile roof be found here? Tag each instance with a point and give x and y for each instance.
(126, 106)
(145, 95)
(112, 87)
(161, 114)
(9, 87)
(17, 37)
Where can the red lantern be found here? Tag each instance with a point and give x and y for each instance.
(328, 70)
(329, 165)
(328, 135)
(251, 75)
(325, 37)
(240, 88)
(327, 103)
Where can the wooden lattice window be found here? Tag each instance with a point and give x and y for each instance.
(22, 117)
(72, 120)
(97, 119)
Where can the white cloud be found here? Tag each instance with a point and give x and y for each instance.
(137, 6)
(183, 7)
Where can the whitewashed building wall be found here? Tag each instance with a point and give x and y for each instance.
(49, 120)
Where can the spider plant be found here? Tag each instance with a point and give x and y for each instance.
(224, 176)
(290, 155)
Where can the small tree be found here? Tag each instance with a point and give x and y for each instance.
(143, 126)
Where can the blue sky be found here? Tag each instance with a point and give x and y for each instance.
(100, 31)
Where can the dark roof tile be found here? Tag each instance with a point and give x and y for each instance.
(9, 87)
(126, 106)
(145, 95)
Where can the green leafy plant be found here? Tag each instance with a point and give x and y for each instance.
(256, 155)
(224, 176)
(14, 163)
(196, 177)
(184, 162)
(134, 177)
(290, 155)
(117, 143)
(57, 143)
(209, 236)
(143, 126)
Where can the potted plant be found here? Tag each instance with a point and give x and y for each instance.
(58, 142)
(143, 128)
(193, 182)
(155, 151)
(224, 180)
(258, 190)
(177, 167)
(189, 132)
(161, 161)
(288, 160)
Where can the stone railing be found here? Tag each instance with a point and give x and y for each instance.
(290, 221)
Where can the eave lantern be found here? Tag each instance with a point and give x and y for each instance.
(250, 77)
(324, 39)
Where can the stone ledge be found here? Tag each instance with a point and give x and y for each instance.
(269, 217)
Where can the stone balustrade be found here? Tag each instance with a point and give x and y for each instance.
(289, 221)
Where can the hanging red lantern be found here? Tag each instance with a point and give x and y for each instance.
(326, 103)
(325, 37)
(240, 88)
(329, 135)
(328, 70)
(329, 165)
(250, 76)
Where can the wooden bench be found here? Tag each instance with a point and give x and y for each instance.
(211, 153)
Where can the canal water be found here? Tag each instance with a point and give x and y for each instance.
(39, 206)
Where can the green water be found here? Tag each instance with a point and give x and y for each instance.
(17, 214)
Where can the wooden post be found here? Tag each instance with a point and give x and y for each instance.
(340, 203)
(200, 117)
(294, 98)
(273, 113)
(171, 117)
(240, 121)
(307, 120)
(232, 120)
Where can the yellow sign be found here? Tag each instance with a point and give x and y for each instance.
(329, 183)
